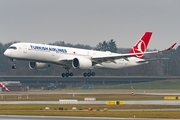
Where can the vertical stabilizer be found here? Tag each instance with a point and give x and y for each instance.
(141, 45)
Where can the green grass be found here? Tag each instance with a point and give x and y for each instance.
(99, 97)
(83, 107)
(39, 111)
(132, 114)
(120, 92)
(165, 84)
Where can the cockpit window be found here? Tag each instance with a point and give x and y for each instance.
(12, 47)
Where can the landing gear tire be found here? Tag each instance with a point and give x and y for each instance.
(14, 67)
(89, 74)
(85, 74)
(63, 75)
(67, 74)
(93, 74)
(71, 74)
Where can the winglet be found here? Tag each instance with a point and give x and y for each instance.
(170, 48)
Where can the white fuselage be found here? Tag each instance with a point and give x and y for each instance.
(57, 55)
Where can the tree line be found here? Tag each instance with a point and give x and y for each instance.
(169, 67)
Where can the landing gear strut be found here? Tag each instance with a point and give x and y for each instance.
(67, 74)
(89, 73)
(14, 64)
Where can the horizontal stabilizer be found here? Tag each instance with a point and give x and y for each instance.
(156, 59)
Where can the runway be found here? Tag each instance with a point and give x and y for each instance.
(137, 102)
(127, 102)
(17, 117)
(143, 93)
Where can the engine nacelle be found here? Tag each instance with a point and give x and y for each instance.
(38, 65)
(82, 63)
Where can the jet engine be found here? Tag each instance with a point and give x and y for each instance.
(38, 65)
(82, 63)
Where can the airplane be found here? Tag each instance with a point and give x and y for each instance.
(40, 56)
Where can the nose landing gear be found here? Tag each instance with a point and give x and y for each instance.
(14, 63)
(14, 66)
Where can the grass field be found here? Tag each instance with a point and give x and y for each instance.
(136, 114)
(155, 85)
(56, 97)
(82, 110)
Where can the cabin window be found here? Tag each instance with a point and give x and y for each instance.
(12, 47)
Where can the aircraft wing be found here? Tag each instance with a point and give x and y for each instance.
(126, 56)
(67, 61)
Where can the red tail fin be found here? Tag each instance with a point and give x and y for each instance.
(141, 45)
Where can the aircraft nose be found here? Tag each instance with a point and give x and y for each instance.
(6, 53)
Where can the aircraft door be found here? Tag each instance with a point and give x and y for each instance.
(24, 48)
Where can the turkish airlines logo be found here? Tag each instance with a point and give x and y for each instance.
(139, 48)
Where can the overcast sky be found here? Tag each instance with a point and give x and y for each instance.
(90, 21)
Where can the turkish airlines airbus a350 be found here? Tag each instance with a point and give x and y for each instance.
(41, 56)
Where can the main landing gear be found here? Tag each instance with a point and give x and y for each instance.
(70, 74)
(14, 63)
(89, 73)
(67, 74)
